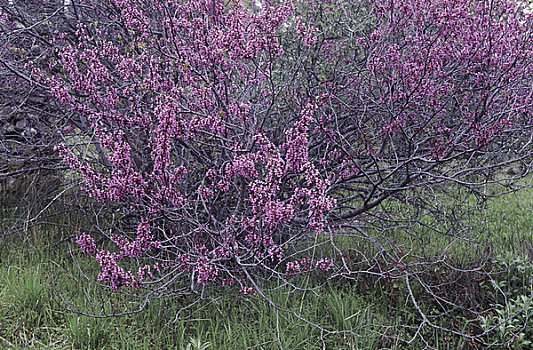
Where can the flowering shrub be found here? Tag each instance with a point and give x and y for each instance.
(179, 140)
(229, 142)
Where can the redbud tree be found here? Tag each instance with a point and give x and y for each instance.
(229, 144)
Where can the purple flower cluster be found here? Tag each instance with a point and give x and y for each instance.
(308, 265)
(86, 243)
(112, 273)
(143, 242)
(206, 272)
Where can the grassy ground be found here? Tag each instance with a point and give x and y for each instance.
(33, 317)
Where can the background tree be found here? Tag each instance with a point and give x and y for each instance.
(31, 122)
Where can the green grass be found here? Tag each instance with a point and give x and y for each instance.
(33, 317)
(509, 222)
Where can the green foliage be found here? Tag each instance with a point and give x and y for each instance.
(510, 321)
(514, 275)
